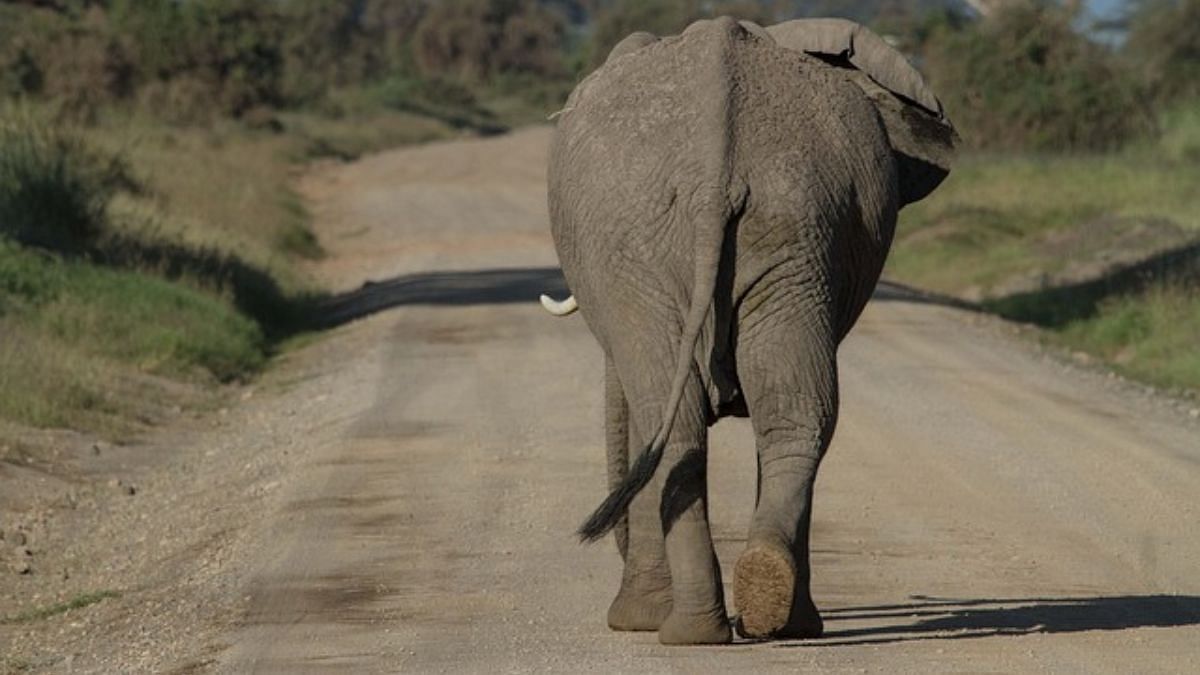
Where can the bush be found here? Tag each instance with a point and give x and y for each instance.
(190, 62)
(661, 17)
(158, 326)
(72, 59)
(441, 98)
(664, 17)
(473, 40)
(1024, 79)
(54, 188)
(227, 52)
(1164, 46)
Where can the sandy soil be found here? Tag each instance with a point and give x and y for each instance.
(400, 496)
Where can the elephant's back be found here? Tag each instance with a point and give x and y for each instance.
(714, 103)
(643, 140)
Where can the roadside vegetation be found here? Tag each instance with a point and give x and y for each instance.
(152, 247)
(1075, 206)
(78, 602)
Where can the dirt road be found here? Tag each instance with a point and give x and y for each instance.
(984, 507)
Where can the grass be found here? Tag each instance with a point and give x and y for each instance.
(54, 188)
(349, 134)
(178, 263)
(985, 222)
(45, 384)
(78, 602)
(77, 338)
(989, 233)
(1151, 336)
(157, 326)
(135, 253)
(225, 188)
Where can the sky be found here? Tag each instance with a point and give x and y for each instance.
(1106, 8)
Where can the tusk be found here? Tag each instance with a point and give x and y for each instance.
(568, 306)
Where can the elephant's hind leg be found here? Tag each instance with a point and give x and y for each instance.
(671, 513)
(644, 600)
(789, 374)
(616, 432)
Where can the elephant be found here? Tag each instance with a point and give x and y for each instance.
(722, 202)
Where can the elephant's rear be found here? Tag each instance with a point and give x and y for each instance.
(641, 150)
(716, 120)
(722, 207)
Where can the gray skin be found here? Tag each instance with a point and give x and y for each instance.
(722, 203)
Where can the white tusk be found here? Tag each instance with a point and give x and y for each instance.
(568, 306)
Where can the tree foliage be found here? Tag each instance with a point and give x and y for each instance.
(1164, 48)
(1025, 79)
(476, 39)
(613, 21)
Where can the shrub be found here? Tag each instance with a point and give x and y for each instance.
(159, 326)
(665, 17)
(69, 57)
(440, 98)
(228, 51)
(54, 188)
(475, 39)
(1164, 45)
(661, 17)
(1025, 79)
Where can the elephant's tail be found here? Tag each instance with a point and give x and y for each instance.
(710, 237)
(714, 208)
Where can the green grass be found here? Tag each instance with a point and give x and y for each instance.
(157, 326)
(177, 251)
(177, 255)
(225, 188)
(985, 222)
(54, 188)
(1151, 335)
(47, 384)
(78, 602)
(105, 299)
(78, 336)
(992, 225)
(347, 131)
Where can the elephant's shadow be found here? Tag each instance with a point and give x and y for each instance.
(927, 618)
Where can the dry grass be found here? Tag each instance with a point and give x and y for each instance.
(201, 280)
(990, 222)
(225, 188)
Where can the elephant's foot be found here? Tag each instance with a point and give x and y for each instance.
(632, 611)
(706, 628)
(764, 594)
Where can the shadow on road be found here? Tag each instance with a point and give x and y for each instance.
(469, 287)
(893, 291)
(947, 619)
(1058, 305)
(1047, 307)
(509, 285)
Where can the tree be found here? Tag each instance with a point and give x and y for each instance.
(1025, 79)
(473, 40)
(1164, 46)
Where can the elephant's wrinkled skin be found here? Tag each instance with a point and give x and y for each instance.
(722, 203)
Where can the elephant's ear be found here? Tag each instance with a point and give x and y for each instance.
(920, 134)
(631, 43)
